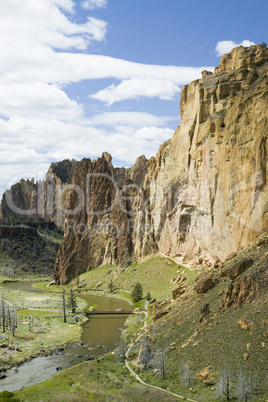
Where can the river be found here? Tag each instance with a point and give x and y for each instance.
(100, 334)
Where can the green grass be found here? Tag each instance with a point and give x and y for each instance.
(100, 380)
(40, 321)
(50, 236)
(38, 313)
(46, 333)
(154, 275)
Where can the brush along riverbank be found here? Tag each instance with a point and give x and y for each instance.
(34, 325)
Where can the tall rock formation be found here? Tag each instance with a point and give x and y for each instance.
(99, 225)
(46, 198)
(208, 185)
(205, 193)
(202, 197)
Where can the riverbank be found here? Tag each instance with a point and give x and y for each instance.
(39, 327)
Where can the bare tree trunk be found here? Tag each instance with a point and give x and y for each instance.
(64, 306)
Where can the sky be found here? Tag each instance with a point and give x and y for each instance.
(78, 78)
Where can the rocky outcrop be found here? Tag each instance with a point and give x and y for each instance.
(45, 198)
(238, 268)
(207, 186)
(241, 291)
(204, 284)
(99, 229)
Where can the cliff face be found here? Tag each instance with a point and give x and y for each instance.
(46, 199)
(205, 193)
(98, 227)
(208, 184)
(201, 198)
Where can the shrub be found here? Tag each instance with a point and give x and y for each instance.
(136, 293)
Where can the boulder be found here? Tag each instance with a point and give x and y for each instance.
(238, 268)
(246, 324)
(203, 375)
(158, 306)
(160, 314)
(204, 284)
(209, 382)
(177, 292)
(204, 312)
(167, 262)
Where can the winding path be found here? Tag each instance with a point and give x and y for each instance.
(136, 375)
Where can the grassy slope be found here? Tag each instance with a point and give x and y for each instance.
(154, 275)
(219, 338)
(30, 255)
(99, 380)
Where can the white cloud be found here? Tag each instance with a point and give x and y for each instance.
(38, 100)
(42, 23)
(92, 4)
(40, 123)
(225, 46)
(135, 88)
(133, 119)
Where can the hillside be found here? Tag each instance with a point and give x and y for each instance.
(28, 247)
(202, 318)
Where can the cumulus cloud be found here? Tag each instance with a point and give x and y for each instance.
(92, 4)
(42, 23)
(225, 46)
(43, 50)
(135, 88)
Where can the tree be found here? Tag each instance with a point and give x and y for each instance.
(64, 305)
(148, 296)
(111, 286)
(3, 313)
(121, 350)
(160, 361)
(136, 293)
(145, 355)
(224, 384)
(72, 302)
(186, 375)
(247, 385)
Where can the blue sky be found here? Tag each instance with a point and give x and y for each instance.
(82, 77)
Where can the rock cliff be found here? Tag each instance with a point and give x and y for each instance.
(46, 198)
(99, 225)
(202, 198)
(205, 193)
(208, 185)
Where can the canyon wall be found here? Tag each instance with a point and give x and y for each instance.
(201, 198)
(47, 198)
(208, 185)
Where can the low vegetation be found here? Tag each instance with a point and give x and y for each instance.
(38, 325)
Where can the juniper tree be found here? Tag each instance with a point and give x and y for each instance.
(136, 293)
(72, 302)
(111, 286)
